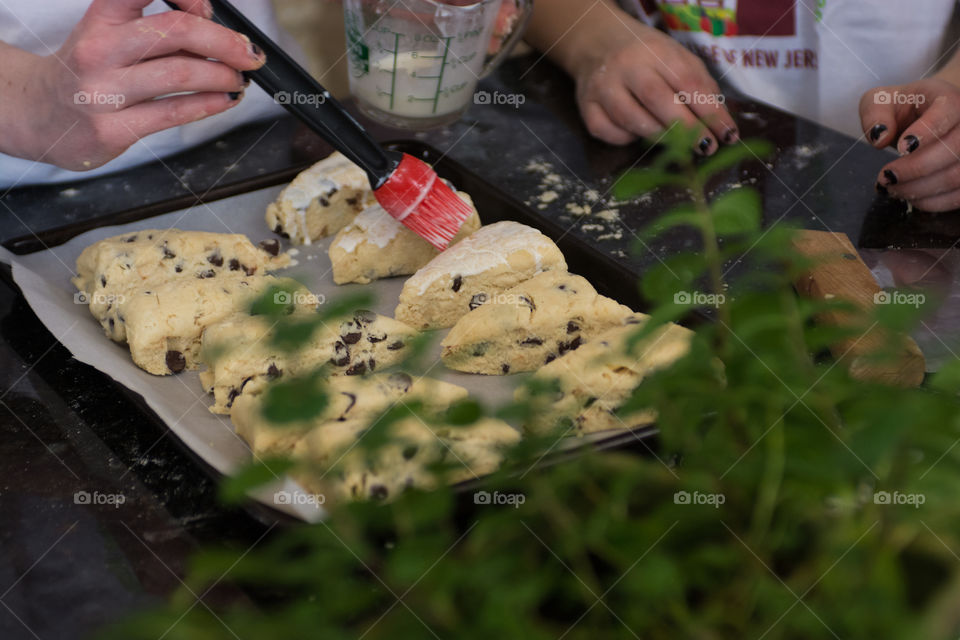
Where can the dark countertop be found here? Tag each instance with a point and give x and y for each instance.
(68, 429)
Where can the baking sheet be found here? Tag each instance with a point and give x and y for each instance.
(44, 278)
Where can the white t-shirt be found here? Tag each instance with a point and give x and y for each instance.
(814, 58)
(42, 26)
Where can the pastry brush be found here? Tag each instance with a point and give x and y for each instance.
(407, 188)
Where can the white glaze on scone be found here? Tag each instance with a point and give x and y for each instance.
(376, 246)
(475, 270)
(320, 201)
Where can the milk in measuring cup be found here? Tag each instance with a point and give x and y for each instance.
(418, 84)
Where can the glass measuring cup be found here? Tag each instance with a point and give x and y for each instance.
(415, 64)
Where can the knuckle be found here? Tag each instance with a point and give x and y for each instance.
(88, 54)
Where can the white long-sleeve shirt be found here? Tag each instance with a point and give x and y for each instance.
(42, 26)
(814, 58)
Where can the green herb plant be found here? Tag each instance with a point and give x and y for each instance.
(783, 499)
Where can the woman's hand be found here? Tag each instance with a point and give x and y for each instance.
(640, 82)
(922, 121)
(100, 93)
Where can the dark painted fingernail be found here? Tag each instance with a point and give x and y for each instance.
(882, 190)
(704, 145)
(731, 136)
(877, 131)
(890, 176)
(246, 78)
(255, 51)
(912, 143)
(234, 95)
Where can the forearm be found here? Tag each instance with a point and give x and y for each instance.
(23, 102)
(572, 33)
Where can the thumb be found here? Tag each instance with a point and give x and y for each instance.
(121, 11)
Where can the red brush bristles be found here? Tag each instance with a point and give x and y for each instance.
(415, 196)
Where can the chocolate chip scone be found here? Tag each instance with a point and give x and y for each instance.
(530, 324)
(350, 398)
(340, 467)
(598, 378)
(320, 201)
(164, 323)
(376, 246)
(473, 271)
(241, 359)
(110, 272)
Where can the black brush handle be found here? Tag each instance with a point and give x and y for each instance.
(323, 114)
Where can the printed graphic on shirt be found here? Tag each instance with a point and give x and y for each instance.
(726, 17)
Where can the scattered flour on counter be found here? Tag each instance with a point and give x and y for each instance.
(608, 215)
(70, 193)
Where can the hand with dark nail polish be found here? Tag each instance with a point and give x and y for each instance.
(923, 126)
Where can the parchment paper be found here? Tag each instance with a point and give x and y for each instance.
(44, 278)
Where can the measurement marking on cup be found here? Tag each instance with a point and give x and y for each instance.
(443, 65)
(393, 68)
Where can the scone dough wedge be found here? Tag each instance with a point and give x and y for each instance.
(320, 200)
(473, 271)
(241, 359)
(340, 466)
(376, 246)
(599, 377)
(350, 398)
(110, 272)
(529, 325)
(164, 323)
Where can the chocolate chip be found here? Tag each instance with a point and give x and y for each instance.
(178, 268)
(167, 254)
(379, 492)
(632, 320)
(531, 341)
(363, 316)
(477, 300)
(400, 380)
(175, 361)
(589, 402)
(528, 302)
(372, 363)
(103, 281)
(209, 273)
(132, 238)
(410, 451)
(351, 201)
(395, 346)
(358, 369)
(572, 327)
(215, 258)
(231, 397)
(273, 371)
(248, 270)
(505, 368)
(351, 338)
(562, 287)
(234, 264)
(480, 349)
(563, 347)
(324, 202)
(271, 246)
(550, 358)
(375, 339)
(457, 283)
(341, 355)
(112, 324)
